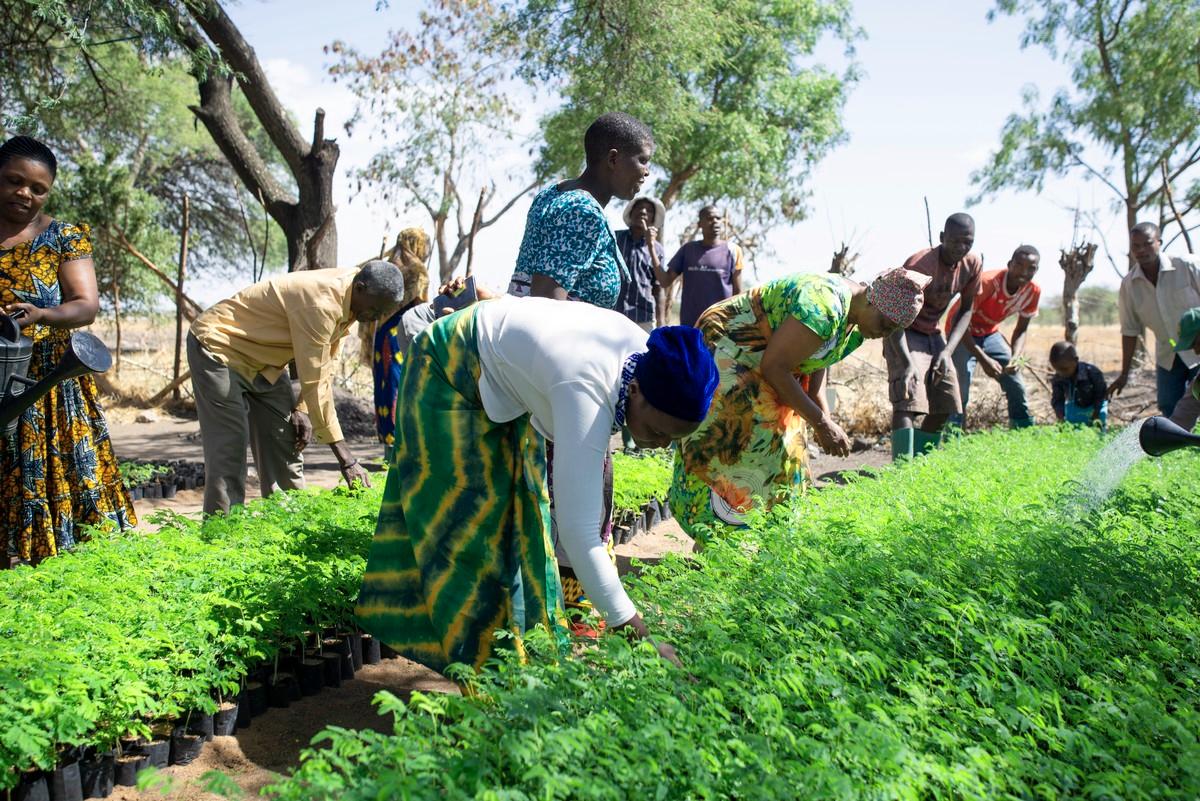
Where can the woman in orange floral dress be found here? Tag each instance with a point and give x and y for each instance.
(769, 344)
(58, 471)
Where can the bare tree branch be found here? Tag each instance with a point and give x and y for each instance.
(217, 113)
(508, 205)
(1174, 210)
(192, 309)
(252, 79)
(1098, 175)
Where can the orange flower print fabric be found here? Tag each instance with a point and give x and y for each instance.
(751, 443)
(58, 471)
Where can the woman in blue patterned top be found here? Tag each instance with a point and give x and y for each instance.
(569, 251)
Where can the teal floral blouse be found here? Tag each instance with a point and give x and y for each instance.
(568, 238)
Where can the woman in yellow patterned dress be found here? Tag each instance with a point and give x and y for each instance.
(58, 471)
(767, 343)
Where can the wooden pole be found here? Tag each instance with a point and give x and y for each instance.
(193, 308)
(474, 230)
(183, 254)
(116, 292)
(928, 222)
(170, 389)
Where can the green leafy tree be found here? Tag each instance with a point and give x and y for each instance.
(50, 45)
(1097, 306)
(130, 151)
(299, 198)
(438, 101)
(1129, 120)
(740, 110)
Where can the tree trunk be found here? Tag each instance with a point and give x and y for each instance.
(312, 165)
(675, 184)
(445, 266)
(1076, 264)
(183, 255)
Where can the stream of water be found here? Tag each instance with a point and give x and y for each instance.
(1107, 470)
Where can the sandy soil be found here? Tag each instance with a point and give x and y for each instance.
(257, 755)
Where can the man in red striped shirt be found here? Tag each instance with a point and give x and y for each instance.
(1002, 293)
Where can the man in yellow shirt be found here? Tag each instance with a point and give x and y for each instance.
(238, 353)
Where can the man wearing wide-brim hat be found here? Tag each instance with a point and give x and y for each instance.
(642, 298)
(1188, 407)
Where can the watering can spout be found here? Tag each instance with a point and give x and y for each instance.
(1159, 435)
(85, 354)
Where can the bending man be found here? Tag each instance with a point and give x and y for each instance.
(922, 380)
(238, 352)
(1002, 293)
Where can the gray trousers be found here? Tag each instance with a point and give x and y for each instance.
(235, 413)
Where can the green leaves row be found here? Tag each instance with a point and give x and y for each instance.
(638, 479)
(949, 629)
(132, 627)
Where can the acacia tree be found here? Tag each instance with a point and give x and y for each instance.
(54, 48)
(1130, 118)
(438, 101)
(49, 46)
(740, 111)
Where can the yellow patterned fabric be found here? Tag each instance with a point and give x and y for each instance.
(58, 471)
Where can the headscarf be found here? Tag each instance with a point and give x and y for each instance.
(677, 373)
(411, 254)
(899, 295)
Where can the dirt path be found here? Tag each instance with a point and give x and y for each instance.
(271, 745)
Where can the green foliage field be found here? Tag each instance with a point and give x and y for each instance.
(637, 479)
(946, 630)
(137, 626)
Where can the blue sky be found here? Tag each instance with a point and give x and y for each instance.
(938, 81)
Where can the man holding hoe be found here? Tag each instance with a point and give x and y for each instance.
(922, 380)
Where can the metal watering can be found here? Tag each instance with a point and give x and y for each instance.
(1159, 435)
(85, 354)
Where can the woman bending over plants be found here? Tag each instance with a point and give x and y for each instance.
(462, 547)
(772, 345)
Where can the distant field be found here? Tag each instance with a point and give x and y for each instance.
(860, 381)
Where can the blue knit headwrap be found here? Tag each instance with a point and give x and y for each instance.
(677, 374)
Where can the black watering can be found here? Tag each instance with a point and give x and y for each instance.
(1159, 435)
(85, 354)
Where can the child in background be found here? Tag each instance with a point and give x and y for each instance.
(1079, 389)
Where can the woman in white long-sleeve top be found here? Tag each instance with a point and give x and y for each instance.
(462, 547)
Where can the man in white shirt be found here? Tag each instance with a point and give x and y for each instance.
(1155, 293)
